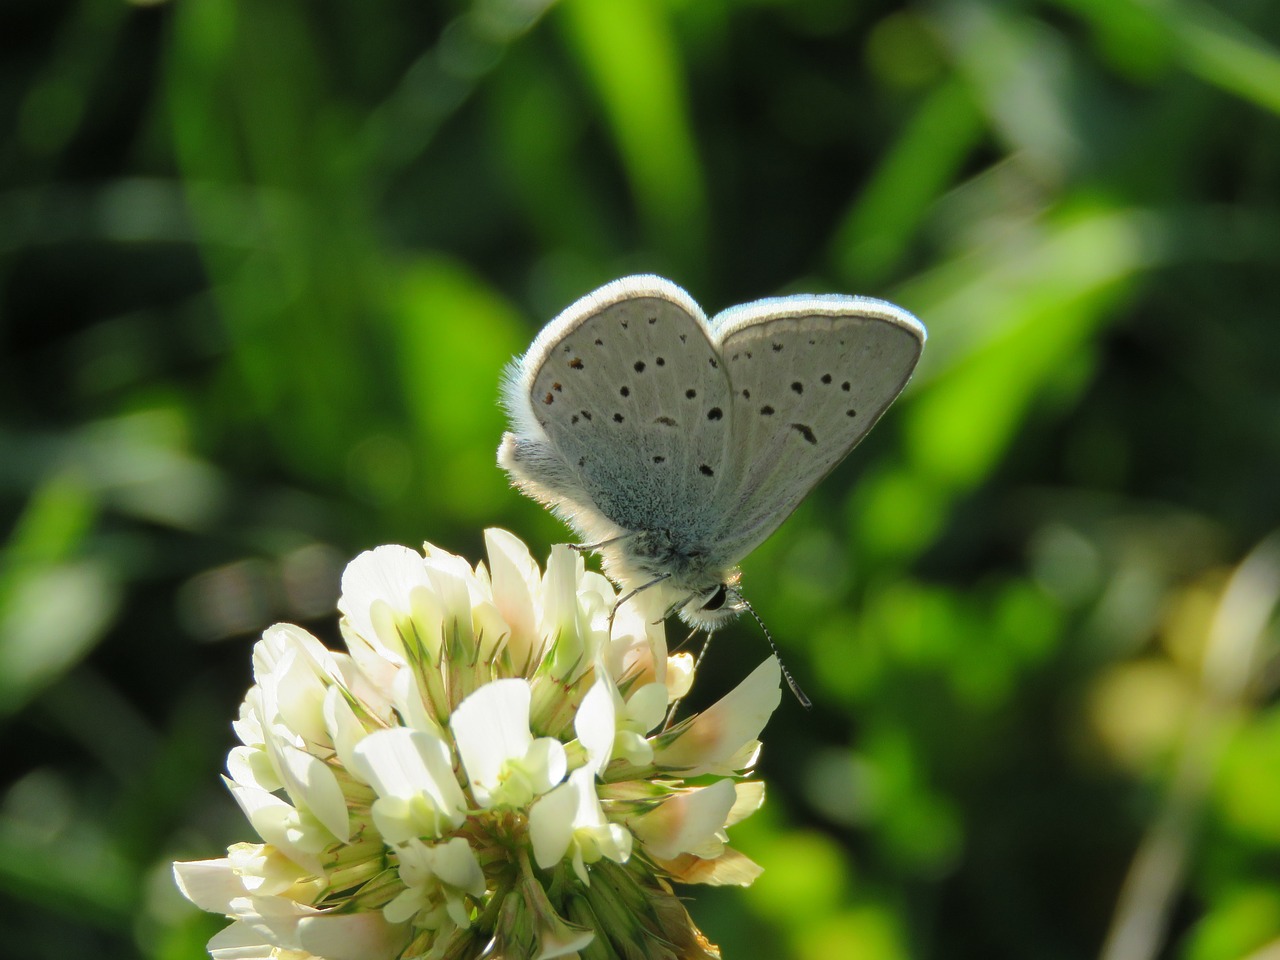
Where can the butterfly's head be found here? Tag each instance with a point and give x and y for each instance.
(709, 609)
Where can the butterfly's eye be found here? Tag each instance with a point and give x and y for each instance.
(717, 599)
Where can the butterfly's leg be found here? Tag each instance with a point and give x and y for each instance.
(593, 547)
(627, 596)
(671, 712)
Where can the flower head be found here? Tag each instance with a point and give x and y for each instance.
(483, 773)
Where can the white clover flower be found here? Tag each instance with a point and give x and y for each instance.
(483, 774)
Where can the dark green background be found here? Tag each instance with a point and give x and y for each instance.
(262, 262)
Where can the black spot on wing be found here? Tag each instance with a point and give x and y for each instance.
(575, 363)
(805, 431)
(706, 471)
(766, 411)
(665, 421)
(797, 386)
(639, 366)
(715, 413)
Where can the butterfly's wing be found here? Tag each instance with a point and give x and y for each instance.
(810, 377)
(621, 411)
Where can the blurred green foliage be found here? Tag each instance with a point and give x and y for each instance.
(262, 263)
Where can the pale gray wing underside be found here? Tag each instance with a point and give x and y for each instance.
(634, 400)
(810, 377)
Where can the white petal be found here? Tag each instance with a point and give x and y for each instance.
(344, 727)
(406, 904)
(247, 725)
(313, 785)
(240, 941)
(448, 563)
(596, 723)
(386, 574)
(402, 764)
(731, 868)
(298, 679)
(279, 824)
(276, 919)
(489, 629)
(633, 748)
(456, 906)
(516, 582)
(686, 822)
(252, 767)
(680, 670)
(723, 729)
(428, 610)
(638, 643)
(353, 936)
(264, 870)
(455, 863)
(617, 845)
(551, 824)
(452, 580)
(545, 764)
(563, 942)
(209, 884)
(410, 703)
(560, 605)
(749, 796)
(647, 707)
(490, 728)
(588, 812)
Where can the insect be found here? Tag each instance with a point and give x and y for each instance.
(674, 445)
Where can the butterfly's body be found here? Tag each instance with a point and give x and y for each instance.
(675, 445)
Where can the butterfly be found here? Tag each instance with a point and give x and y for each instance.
(674, 445)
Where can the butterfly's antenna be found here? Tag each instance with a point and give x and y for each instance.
(786, 674)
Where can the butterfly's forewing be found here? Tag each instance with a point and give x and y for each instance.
(810, 376)
(629, 390)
